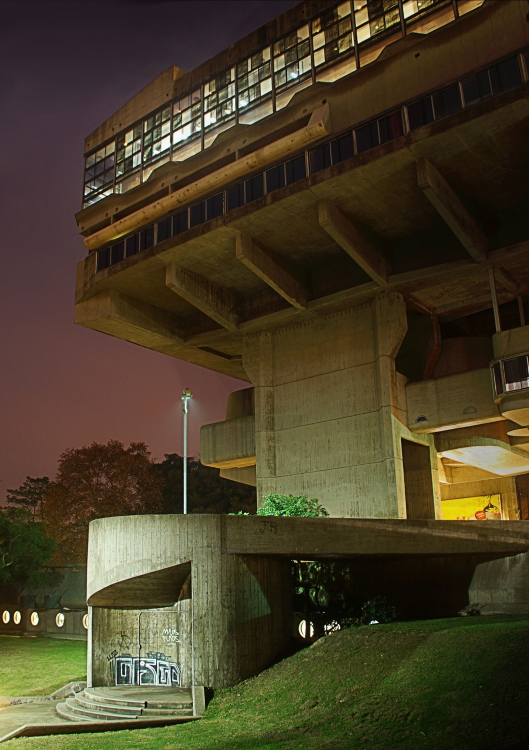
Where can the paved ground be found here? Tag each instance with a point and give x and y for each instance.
(39, 711)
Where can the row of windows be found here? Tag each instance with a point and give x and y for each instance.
(447, 101)
(442, 103)
(346, 36)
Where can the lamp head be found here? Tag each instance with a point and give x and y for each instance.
(186, 395)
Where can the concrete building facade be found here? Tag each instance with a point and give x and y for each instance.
(334, 210)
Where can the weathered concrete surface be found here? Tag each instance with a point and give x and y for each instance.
(502, 586)
(235, 610)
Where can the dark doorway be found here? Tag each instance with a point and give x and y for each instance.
(418, 481)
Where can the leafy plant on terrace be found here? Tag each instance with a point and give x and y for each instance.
(291, 505)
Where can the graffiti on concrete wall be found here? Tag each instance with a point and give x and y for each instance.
(155, 669)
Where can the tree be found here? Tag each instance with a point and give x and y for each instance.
(96, 482)
(291, 505)
(24, 547)
(30, 495)
(207, 492)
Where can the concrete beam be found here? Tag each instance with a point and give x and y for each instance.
(258, 260)
(353, 242)
(213, 300)
(129, 319)
(451, 208)
(505, 280)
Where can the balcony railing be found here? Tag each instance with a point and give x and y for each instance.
(510, 375)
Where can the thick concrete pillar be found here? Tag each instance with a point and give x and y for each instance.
(330, 409)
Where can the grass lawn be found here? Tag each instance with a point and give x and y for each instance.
(454, 684)
(38, 666)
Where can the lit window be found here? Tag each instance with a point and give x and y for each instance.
(99, 174)
(254, 79)
(128, 157)
(6, 616)
(34, 619)
(59, 620)
(17, 617)
(219, 99)
(292, 62)
(373, 17)
(187, 119)
(332, 34)
(85, 622)
(157, 136)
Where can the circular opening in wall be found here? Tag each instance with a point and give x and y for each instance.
(6, 616)
(59, 620)
(85, 622)
(17, 617)
(34, 619)
(306, 631)
(421, 419)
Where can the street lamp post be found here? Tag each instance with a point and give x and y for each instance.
(186, 395)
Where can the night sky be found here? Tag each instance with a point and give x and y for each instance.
(65, 66)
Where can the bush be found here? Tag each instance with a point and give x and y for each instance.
(289, 505)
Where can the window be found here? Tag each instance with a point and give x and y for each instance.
(516, 373)
(157, 136)
(420, 113)
(235, 196)
(295, 169)
(373, 17)
(219, 99)
(128, 158)
(342, 148)
(254, 79)
(180, 222)
(59, 619)
(34, 619)
(447, 101)
(146, 238)
(132, 245)
(477, 88)
(379, 131)
(332, 34)
(164, 229)
(116, 253)
(412, 8)
(99, 174)
(292, 62)
(254, 188)
(215, 206)
(197, 214)
(275, 178)
(320, 158)
(103, 258)
(505, 75)
(187, 119)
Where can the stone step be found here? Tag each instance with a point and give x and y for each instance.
(75, 708)
(93, 695)
(92, 705)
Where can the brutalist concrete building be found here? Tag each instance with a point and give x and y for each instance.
(333, 210)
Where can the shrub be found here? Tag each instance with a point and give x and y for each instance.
(290, 505)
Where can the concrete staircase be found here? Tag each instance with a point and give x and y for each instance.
(154, 705)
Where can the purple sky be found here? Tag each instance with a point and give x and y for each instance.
(65, 66)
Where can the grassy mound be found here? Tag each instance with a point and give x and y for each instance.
(443, 684)
(38, 666)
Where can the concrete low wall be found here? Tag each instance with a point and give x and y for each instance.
(501, 586)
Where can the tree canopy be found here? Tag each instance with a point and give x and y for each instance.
(207, 492)
(24, 547)
(29, 495)
(96, 482)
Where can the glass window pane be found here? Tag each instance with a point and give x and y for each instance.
(117, 253)
(164, 229)
(275, 178)
(471, 92)
(254, 188)
(235, 196)
(132, 245)
(103, 258)
(295, 169)
(342, 149)
(508, 74)
(197, 214)
(180, 223)
(320, 158)
(215, 206)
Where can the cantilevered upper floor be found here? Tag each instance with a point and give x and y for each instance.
(340, 150)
